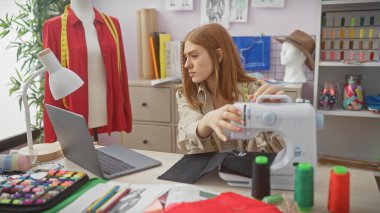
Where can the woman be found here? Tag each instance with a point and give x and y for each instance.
(213, 79)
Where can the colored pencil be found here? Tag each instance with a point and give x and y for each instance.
(114, 200)
(98, 202)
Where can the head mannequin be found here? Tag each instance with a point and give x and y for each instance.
(293, 59)
(83, 9)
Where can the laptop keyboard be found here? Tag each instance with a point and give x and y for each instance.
(111, 165)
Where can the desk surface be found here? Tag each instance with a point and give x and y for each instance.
(364, 193)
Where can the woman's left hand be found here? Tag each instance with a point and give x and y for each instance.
(265, 89)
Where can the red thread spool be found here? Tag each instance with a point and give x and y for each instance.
(339, 190)
(332, 56)
(371, 55)
(323, 55)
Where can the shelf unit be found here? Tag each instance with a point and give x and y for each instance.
(347, 133)
(334, 71)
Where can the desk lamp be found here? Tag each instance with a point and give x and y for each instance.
(62, 82)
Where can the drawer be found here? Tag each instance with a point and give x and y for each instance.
(149, 137)
(150, 104)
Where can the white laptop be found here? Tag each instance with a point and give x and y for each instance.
(77, 145)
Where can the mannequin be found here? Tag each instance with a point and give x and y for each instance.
(97, 97)
(90, 43)
(294, 60)
(297, 49)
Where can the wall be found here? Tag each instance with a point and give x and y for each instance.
(297, 14)
(12, 120)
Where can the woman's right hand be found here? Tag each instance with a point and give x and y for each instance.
(220, 119)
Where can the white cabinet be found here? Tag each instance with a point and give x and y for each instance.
(155, 117)
(348, 133)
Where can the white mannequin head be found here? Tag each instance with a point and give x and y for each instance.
(293, 59)
(291, 55)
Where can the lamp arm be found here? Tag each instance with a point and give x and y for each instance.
(26, 107)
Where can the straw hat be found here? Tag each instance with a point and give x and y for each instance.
(302, 41)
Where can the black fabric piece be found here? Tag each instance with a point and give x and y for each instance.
(191, 167)
(243, 165)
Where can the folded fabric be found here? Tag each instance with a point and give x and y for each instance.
(372, 102)
(225, 202)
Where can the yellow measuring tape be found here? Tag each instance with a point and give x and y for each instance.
(115, 35)
(65, 50)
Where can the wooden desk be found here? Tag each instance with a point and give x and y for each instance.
(364, 194)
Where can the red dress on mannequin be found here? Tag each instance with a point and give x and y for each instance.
(119, 112)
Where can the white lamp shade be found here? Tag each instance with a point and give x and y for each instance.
(62, 81)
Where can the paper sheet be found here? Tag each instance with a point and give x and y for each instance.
(140, 197)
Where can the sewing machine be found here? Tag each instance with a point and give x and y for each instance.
(295, 122)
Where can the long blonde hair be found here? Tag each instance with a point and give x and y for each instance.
(229, 71)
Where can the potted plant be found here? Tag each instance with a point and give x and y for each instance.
(27, 23)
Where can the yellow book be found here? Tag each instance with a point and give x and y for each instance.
(163, 38)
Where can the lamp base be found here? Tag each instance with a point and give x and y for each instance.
(45, 151)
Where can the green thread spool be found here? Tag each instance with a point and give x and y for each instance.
(324, 20)
(362, 21)
(273, 199)
(304, 187)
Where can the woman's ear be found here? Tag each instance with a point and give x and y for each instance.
(219, 51)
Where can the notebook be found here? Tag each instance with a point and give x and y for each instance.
(77, 145)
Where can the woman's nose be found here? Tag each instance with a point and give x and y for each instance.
(187, 63)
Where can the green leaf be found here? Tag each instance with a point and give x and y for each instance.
(4, 33)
